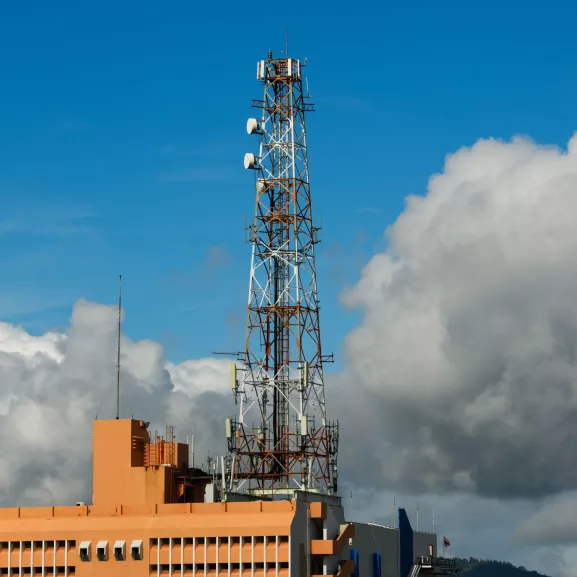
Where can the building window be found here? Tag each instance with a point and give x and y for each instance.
(377, 565)
(355, 560)
(430, 550)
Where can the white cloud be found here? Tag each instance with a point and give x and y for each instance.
(54, 385)
(552, 523)
(467, 352)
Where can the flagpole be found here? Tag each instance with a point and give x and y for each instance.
(351, 507)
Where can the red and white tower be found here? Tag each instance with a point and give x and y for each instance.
(281, 441)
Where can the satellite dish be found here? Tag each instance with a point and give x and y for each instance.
(252, 126)
(249, 161)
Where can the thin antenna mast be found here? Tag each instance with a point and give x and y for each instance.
(351, 508)
(192, 445)
(118, 348)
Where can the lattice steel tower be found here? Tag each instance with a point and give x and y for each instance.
(281, 440)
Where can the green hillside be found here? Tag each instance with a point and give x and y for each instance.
(486, 568)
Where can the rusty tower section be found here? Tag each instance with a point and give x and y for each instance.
(281, 441)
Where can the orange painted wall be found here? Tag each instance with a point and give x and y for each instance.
(176, 521)
(130, 503)
(120, 450)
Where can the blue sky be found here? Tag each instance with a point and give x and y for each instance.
(123, 135)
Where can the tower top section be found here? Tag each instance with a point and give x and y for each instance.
(279, 68)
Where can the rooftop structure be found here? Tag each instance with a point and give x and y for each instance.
(152, 515)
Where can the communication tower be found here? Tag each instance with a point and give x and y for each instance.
(281, 441)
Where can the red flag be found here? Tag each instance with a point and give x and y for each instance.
(446, 542)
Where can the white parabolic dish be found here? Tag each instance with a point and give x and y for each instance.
(249, 160)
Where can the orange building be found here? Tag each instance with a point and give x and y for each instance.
(152, 515)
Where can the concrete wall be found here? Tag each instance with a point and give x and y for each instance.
(304, 529)
(331, 530)
(370, 539)
(299, 547)
(421, 543)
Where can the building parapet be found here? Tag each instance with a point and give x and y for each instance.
(160, 509)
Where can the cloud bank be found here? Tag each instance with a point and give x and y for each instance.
(467, 352)
(54, 385)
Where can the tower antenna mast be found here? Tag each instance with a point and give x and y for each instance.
(118, 348)
(281, 441)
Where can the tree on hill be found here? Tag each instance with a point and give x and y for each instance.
(488, 568)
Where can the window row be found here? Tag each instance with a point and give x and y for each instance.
(165, 541)
(70, 570)
(15, 545)
(199, 568)
(118, 551)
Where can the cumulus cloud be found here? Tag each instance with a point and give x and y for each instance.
(552, 523)
(54, 385)
(467, 353)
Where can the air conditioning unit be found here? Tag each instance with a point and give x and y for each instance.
(120, 550)
(84, 551)
(136, 550)
(102, 550)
